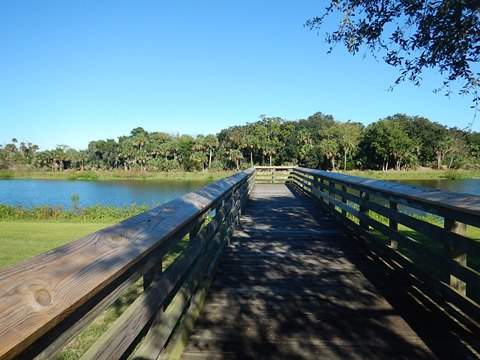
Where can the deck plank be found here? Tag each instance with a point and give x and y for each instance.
(292, 284)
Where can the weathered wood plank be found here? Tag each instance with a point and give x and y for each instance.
(451, 267)
(45, 290)
(280, 293)
(451, 205)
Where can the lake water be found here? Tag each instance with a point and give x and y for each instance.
(29, 193)
(459, 186)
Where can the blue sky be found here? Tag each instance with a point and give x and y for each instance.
(76, 71)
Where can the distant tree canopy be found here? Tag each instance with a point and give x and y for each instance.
(320, 141)
(413, 35)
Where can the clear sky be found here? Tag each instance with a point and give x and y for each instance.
(81, 70)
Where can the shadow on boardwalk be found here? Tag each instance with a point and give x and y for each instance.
(294, 285)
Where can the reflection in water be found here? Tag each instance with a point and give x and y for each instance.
(458, 186)
(470, 186)
(31, 193)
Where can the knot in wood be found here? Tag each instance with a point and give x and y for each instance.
(119, 238)
(42, 297)
(116, 239)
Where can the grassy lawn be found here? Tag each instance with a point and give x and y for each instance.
(113, 175)
(420, 174)
(20, 240)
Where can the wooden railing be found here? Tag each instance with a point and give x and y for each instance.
(47, 300)
(272, 174)
(423, 230)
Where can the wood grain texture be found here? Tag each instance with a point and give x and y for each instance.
(292, 284)
(436, 200)
(460, 273)
(36, 295)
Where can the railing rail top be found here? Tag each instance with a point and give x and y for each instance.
(455, 201)
(283, 167)
(36, 294)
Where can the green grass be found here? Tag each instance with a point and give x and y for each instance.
(89, 214)
(86, 338)
(20, 240)
(112, 175)
(426, 174)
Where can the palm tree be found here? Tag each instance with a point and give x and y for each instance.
(235, 156)
(250, 142)
(329, 148)
(349, 137)
(198, 159)
(211, 144)
(174, 146)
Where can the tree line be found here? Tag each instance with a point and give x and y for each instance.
(395, 142)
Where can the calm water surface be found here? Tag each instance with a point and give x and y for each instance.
(459, 186)
(29, 193)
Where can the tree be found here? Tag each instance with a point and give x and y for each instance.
(127, 153)
(198, 157)
(211, 144)
(198, 160)
(473, 143)
(11, 149)
(164, 150)
(329, 148)
(80, 159)
(235, 156)
(426, 136)
(385, 141)
(316, 124)
(455, 149)
(250, 143)
(350, 134)
(413, 35)
(270, 136)
(330, 143)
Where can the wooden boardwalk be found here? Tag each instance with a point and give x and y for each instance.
(293, 285)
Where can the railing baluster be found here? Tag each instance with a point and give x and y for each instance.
(151, 274)
(393, 224)
(96, 270)
(344, 199)
(364, 209)
(331, 192)
(455, 254)
(416, 246)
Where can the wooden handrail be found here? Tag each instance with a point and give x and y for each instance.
(273, 174)
(424, 230)
(47, 300)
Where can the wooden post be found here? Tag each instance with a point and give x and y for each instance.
(151, 274)
(332, 194)
(195, 231)
(274, 180)
(316, 184)
(455, 254)
(344, 199)
(393, 224)
(363, 208)
(319, 185)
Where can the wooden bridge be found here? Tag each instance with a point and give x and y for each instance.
(313, 265)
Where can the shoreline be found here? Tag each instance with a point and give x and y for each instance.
(423, 174)
(112, 175)
(419, 174)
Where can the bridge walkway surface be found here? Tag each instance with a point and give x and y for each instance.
(293, 284)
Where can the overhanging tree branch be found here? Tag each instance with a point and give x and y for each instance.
(413, 35)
